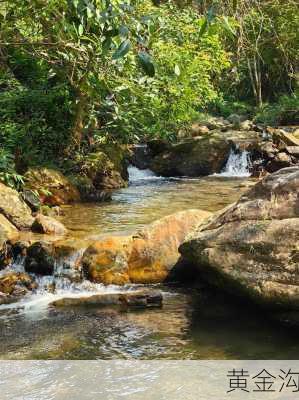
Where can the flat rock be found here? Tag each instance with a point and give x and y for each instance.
(136, 299)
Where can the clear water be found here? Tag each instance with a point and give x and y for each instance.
(194, 323)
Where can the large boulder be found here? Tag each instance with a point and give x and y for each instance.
(100, 171)
(252, 248)
(155, 248)
(7, 232)
(146, 257)
(14, 209)
(106, 261)
(202, 155)
(53, 187)
(104, 172)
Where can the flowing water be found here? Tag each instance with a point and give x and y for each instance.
(194, 323)
(238, 164)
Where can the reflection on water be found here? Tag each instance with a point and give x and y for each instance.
(193, 324)
(149, 199)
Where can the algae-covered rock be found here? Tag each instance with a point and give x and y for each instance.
(203, 155)
(195, 157)
(53, 187)
(134, 299)
(104, 173)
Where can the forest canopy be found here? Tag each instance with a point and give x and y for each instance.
(73, 72)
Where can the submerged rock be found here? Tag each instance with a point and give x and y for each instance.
(146, 257)
(14, 209)
(252, 248)
(53, 187)
(48, 225)
(136, 299)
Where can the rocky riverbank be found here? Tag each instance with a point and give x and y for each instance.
(205, 148)
(251, 249)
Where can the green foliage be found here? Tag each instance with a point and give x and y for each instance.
(34, 122)
(285, 111)
(188, 68)
(75, 73)
(8, 174)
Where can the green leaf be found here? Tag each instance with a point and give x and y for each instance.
(204, 27)
(123, 30)
(146, 63)
(228, 26)
(177, 70)
(80, 30)
(122, 50)
(106, 45)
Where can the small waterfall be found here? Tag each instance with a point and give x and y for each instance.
(238, 164)
(65, 282)
(137, 175)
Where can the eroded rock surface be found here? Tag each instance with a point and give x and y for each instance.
(147, 256)
(252, 248)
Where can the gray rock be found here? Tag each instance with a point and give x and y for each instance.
(136, 299)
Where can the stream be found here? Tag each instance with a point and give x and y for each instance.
(194, 323)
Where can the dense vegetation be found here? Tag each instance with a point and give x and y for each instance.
(77, 72)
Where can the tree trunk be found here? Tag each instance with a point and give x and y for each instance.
(78, 122)
(256, 80)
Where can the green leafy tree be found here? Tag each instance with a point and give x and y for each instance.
(79, 40)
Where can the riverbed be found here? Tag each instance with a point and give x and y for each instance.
(194, 323)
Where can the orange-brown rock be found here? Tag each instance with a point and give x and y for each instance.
(155, 248)
(106, 261)
(146, 257)
(13, 280)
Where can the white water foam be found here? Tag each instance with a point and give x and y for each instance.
(238, 164)
(137, 175)
(57, 286)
